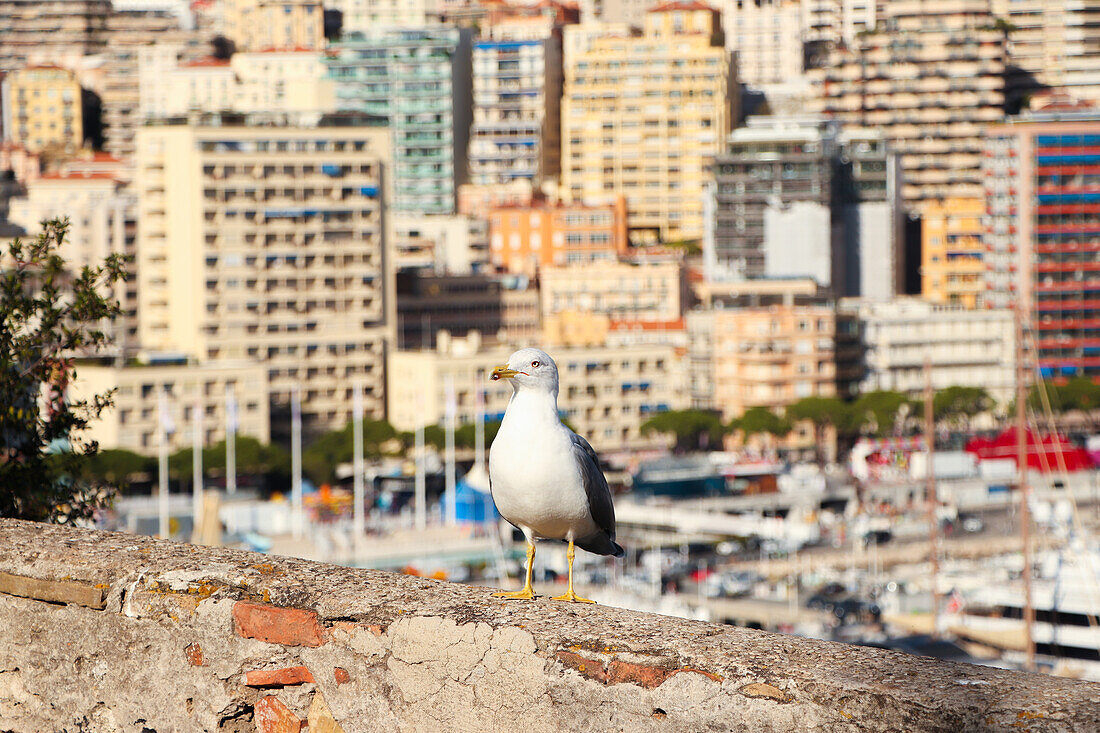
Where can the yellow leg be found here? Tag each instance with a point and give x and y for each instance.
(569, 594)
(528, 592)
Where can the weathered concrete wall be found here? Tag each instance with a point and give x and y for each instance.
(112, 632)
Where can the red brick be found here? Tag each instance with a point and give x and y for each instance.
(341, 675)
(590, 668)
(638, 674)
(193, 652)
(278, 677)
(288, 626)
(272, 716)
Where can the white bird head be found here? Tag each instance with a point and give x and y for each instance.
(529, 368)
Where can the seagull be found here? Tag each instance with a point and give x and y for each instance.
(544, 478)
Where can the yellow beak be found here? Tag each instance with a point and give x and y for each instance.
(502, 372)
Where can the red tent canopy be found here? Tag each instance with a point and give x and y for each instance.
(1042, 454)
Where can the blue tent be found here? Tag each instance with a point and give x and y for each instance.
(473, 506)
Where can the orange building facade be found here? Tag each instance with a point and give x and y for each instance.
(523, 239)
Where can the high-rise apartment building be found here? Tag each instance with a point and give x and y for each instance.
(524, 239)
(120, 96)
(517, 80)
(264, 242)
(1042, 229)
(873, 216)
(930, 77)
(768, 162)
(830, 24)
(360, 16)
(766, 38)
(43, 109)
(1052, 45)
(263, 25)
(952, 252)
(419, 80)
(102, 218)
(55, 32)
(643, 116)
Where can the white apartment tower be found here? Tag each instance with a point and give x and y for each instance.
(517, 80)
(265, 243)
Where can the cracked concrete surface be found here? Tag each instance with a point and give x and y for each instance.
(408, 654)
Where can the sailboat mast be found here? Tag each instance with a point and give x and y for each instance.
(1024, 490)
(930, 494)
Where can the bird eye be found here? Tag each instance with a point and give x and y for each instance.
(535, 364)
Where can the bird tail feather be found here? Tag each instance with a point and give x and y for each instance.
(601, 544)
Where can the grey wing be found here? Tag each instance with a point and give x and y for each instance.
(595, 486)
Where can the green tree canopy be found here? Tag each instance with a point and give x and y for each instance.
(48, 316)
(271, 463)
(320, 458)
(1078, 393)
(877, 412)
(822, 412)
(692, 429)
(116, 467)
(960, 404)
(761, 421)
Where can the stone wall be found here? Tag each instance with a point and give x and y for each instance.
(114, 632)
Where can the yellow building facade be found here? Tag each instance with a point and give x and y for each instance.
(261, 25)
(42, 109)
(643, 115)
(952, 251)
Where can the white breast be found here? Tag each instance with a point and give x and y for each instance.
(536, 482)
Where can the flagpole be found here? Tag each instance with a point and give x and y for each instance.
(230, 441)
(162, 492)
(296, 462)
(196, 466)
(479, 425)
(451, 503)
(420, 511)
(358, 521)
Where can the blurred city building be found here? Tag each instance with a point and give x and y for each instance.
(796, 197)
(135, 419)
(1051, 46)
(445, 244)
(478, 199)
(524, 239)
(265, 241)
(102, 216)
(965, 347)
(361, 16)
(929, 76)
(52, 32)
(622, 291)
(1043, 232)
(140, 24)
(766, 343)
(642, 116)
(517, 81)
(419, 80)
(43, 110)
(501, 307)
(264, 25)
(953, 251)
